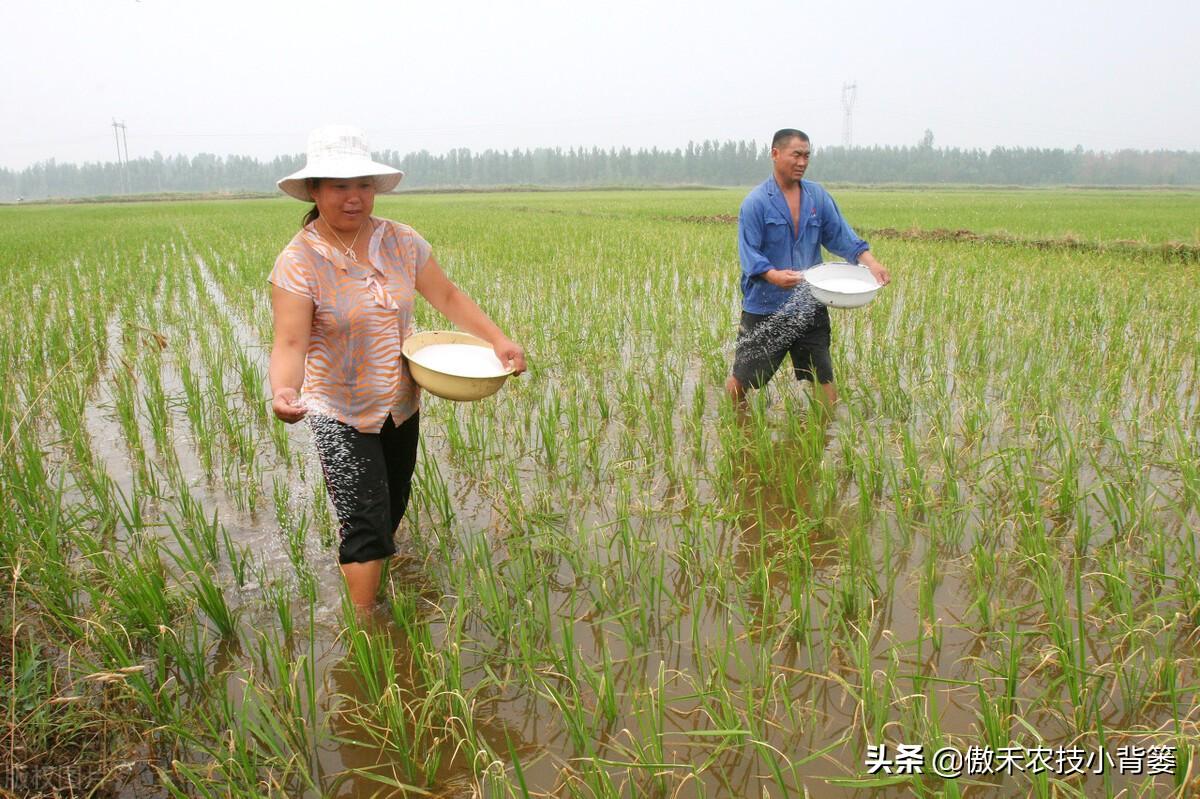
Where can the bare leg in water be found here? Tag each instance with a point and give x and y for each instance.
(825, 393)
(362, 582)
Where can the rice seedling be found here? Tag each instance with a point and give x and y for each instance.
(609, 584)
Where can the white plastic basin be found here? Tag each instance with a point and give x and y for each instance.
(840, 285)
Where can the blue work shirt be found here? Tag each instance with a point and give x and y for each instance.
(767, 240)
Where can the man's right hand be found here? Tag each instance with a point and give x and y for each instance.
(287, 407)
(784, 278)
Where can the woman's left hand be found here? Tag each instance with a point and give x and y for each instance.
(510, 354)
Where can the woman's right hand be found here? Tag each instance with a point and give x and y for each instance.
(287, 407)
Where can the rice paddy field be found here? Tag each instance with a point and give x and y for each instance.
(611, 584)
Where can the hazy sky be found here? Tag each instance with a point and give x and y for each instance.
(253, 77)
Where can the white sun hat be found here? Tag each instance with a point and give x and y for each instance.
(339, 151)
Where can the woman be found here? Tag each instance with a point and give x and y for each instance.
(342, 295)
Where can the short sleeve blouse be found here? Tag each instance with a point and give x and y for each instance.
(362, 312)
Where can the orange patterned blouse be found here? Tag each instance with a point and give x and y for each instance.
(362, 313)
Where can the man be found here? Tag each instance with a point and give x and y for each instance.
(782, 226)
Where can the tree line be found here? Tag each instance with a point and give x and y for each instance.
(728, 163)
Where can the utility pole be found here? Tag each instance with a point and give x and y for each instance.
(124, 165)
(125, 146)
(849, 91)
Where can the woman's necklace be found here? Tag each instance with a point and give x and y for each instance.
(348, 251)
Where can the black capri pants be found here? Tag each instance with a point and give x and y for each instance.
(369, 479)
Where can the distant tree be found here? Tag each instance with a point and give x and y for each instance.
(707, 162)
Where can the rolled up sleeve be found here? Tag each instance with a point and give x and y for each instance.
(836, 234)
(750, 241)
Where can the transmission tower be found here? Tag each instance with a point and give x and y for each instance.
(849, 90)
(123, 163)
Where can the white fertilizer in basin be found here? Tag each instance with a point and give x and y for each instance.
(845, 285)
(461, 360)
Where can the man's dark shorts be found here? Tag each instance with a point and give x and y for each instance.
(764, 339)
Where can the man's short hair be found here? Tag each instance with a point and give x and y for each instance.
(785, 135)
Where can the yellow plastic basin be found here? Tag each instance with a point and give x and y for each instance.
(459, 388)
